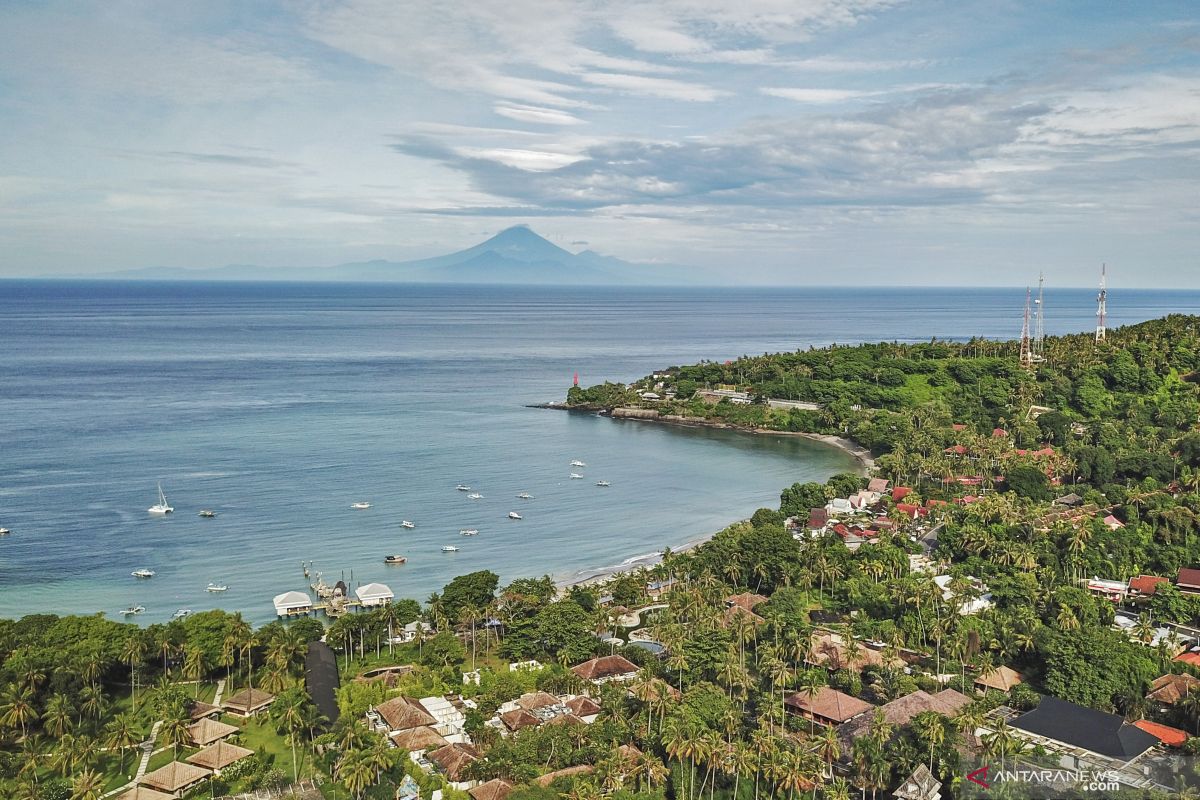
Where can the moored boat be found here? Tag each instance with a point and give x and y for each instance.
(524, 496)
(142, 573)
(474, 496)
(462, 487)
(575, 476)
(578, 463)
(4, 531)
(360, 505)
(395, 559)
(514, 515)
(182, 613)
(469, 531)
(207, 514)
(449, 548)
(603, 483)
(216, 587)
(407, 524)
(132, 610)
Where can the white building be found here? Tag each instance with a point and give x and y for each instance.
(291, 604)
(374, 594)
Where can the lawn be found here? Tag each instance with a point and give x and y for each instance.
(258, 734)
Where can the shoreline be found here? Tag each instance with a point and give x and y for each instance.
(603, 575)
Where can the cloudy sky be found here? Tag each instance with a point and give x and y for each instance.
(786, 141)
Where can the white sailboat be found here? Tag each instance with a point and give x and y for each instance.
(161, 506)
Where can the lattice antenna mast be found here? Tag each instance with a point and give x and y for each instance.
(1039, 338)
(1026, 348)
(1102, 305)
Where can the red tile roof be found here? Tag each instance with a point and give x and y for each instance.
(1146, 584)
(1189, 577)
(605, 667)
(1189, 658)
(1170, 689)
(1172, 737)
(901, 492)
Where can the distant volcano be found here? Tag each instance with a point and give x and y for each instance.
(516, 255)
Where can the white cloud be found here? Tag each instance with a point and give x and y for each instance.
(654, 87)
(543, 116)
(813, 95)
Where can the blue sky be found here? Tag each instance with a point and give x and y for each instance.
(785, 141)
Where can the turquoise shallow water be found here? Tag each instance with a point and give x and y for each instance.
(280, 405)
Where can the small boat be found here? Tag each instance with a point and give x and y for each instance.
(407, 524)
(182, 613)
(575, 476)
(142, 573)
(216, 587)
(4, 531)
(360, 505)
(514, 515)
(603, 483)
(524, 496)
(208, 514)
(449, 548)
(132, 610)
(474, 496)
(161, 506)
(395, 559)
(463, 487)
(469, 531)
(578, 464)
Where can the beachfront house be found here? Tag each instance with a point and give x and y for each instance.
(248, 702)
(292, 604)
(373, 595)
(606, 669)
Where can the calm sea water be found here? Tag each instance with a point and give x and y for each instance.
(280, 405)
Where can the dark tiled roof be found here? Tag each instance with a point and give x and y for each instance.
(1188, 577)
(1086, 728)
(829, 704)
(321, 678)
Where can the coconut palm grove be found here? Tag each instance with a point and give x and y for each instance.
(1011, 585)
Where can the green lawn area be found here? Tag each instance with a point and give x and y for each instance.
(258, 734)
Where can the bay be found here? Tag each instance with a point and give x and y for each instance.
(280, 405)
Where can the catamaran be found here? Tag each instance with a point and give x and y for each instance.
(142, 573)
(161, 506)
(407, 524)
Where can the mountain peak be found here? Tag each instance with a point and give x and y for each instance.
(520, 243)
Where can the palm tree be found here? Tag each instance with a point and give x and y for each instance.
(829, 746)
(92, 702)
(356, 771)
(123, 734)
(930, 728)
(288, 713)
(16, 708)
(88, 785)
(194, 663)
(174, 729)
(57, 719)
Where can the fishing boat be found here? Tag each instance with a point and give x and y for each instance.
(360, 505)
(578, 464)
(161, 506)
(216, 587)
(469, 531)
(407, 524)
(132, 610)
(474, 496)
(575, 476)
(524, 496)
(514, 515)
(208, 514)
(142, 573)
(603, 483)
(395, 559)
(182, 613)
(462, 487)
(449, 548)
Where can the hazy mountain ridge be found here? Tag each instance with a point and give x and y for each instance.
(516, 255)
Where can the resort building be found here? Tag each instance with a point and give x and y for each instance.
(1168, 690)
(920, 786)
(248, 702)
(144, 793)
(495, 789)
(900, 712)
(219, 756)
(175, 779)
(198, 711)
(1002, 679)
(1083, 738)
(1188, 580)
(372, 595)
(1171, 737)
(292, 604)
(1109, 590)
(827, 707)
(1145, 585)
(452, 761)
(605, 669)
(207, 731)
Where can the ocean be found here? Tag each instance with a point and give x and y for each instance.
(280, 405)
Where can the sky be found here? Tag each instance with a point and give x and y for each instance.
(966, 142)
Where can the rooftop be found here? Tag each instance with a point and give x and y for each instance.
(829, 704)
(605, 667)
(219, 756)
(174, 777)
(1086, 728)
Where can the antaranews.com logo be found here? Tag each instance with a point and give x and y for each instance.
(1042, 783)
